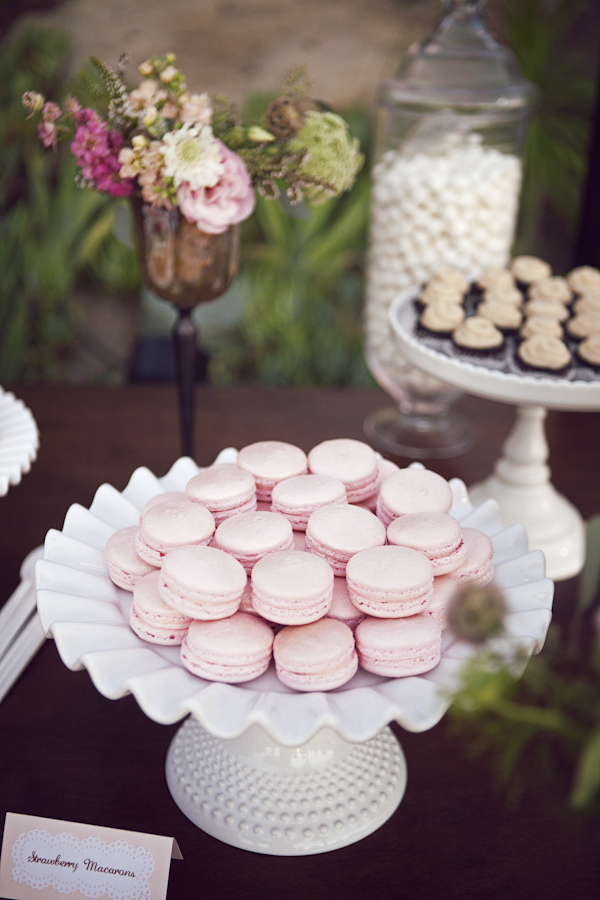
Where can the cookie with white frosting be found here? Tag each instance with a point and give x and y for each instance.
(503, 315)
(541, 325)
(478, 336)
(554, 288)
(588, 351)
(584, 278)
(544, 353)
(528, 269)
(495, 276)
(551, 308)
(584, 324)
(442, 317)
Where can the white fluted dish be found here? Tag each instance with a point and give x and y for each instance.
(578, 390)
(87, 615)
(19, 440)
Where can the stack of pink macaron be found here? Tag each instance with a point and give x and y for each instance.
(318, 562)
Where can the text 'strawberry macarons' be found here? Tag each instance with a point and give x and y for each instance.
(249, 536)
(270, 462)
(478, 568)
(296, 498)
(411, 491)
(291, 587)
(171, 524)
(437, 535)
(202, 582)
(338, 532)
(125, 565)
(353, 462)
(151, 618)
(225, 490)
(316, 657)
(398, 647)
(444, 589)
(232, 650)
(342, 608)
(390, 582)
(162, 498)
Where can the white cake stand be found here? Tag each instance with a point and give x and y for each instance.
(257, 765)
(520, 482)
(19, 440)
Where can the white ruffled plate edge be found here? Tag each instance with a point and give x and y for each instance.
(19, 440)
(87, 617)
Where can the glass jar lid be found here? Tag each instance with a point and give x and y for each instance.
(460, 65)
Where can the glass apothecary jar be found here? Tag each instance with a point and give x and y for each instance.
(446, 183)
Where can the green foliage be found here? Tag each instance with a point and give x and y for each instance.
(557, 140)
(302, 289)
(547, 725)
(52, 233)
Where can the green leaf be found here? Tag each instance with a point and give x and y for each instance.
(589, 578)
(587, 775)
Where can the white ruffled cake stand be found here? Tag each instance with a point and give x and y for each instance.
(257, 765)
(520, 482)
(19, 440)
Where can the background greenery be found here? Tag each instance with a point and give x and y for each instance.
(300, 290)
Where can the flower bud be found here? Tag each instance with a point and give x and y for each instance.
(33, 101)
(146, 68)
(150, 116)
(170, 58)
(167, 75)
(476, 614)
(139, 141)
(259, 135)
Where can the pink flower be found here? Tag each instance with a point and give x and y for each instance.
(51, 112)
(96, 150)
(47, 133)
(230, 201)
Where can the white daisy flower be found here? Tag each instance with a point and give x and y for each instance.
(192, 154)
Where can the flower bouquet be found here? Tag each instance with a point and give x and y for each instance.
(191, 166)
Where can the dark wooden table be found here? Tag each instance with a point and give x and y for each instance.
(66, 752)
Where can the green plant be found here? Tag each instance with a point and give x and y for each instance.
(557, 141)
(52, 233)
(547, 724)
(301, 288)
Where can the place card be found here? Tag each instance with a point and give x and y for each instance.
(48, 858)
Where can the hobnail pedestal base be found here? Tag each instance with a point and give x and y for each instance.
(256, 794)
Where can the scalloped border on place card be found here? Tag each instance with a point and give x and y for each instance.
(82, 861)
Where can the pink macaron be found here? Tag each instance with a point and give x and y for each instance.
(338, 532)
(353, 462)
(151, 618)
(437, 535)
(232, 650)
(399, 647)
(125, 565)
(315, 657)
(390, 582)
(444, 589)
(157, 499)
(249, 536)
(411, 491)
(291, 587)
(297, 498)
(342, 608)
(270, 462)
(478, 567)
(174, 523)
(202, 582)
(225, 489)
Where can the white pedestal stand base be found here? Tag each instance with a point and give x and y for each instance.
(254, 793)
(521, 486)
